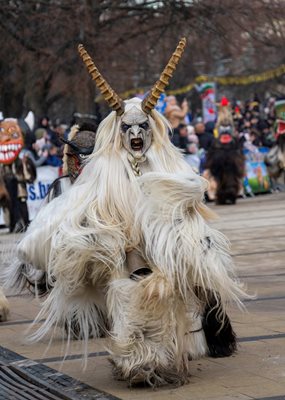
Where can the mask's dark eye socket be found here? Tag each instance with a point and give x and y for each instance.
(125, 127)
(82, 157)
(144, 125)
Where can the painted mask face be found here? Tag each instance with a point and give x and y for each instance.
(11, 141)
(136, 132)
(79, 148)
(225, 134)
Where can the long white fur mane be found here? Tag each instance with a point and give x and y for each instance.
(80, 239)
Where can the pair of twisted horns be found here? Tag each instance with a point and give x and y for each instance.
(113, 100)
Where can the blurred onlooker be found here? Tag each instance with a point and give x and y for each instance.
(254, 137)
(193, 156)
(205, 138)
(51, 134)
(209, 127)
(175, 114)
(41, 138)
(186, 140)
(254, 121)
(53, 159)
(267, 135)
(183, 137)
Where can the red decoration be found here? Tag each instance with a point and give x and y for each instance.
(224, 102)
(280, 128)
(225, 138)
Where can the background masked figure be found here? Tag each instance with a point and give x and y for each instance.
(225, 163)
(16, 170)
(275, 159)
(127, 250)
(78, 146)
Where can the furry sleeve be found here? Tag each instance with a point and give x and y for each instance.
(178, 241)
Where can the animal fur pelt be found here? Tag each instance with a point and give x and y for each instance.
(226, 164)
(4, 306)
(150, 310)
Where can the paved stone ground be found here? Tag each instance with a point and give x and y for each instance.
(256, 229)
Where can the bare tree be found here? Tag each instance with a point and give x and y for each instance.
(130, 42)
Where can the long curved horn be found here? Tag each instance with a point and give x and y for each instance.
(113, 100)
(150, 101)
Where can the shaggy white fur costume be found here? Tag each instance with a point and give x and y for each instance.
(81, 240)
(4, 306)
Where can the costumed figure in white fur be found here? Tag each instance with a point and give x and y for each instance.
(4, 306)
(127, 250)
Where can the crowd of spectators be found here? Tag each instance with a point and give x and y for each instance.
(253, 127)
(46, 147)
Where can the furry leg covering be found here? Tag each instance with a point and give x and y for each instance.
(151, 339)
(4, 307)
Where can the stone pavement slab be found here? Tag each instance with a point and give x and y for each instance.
(21, 379)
